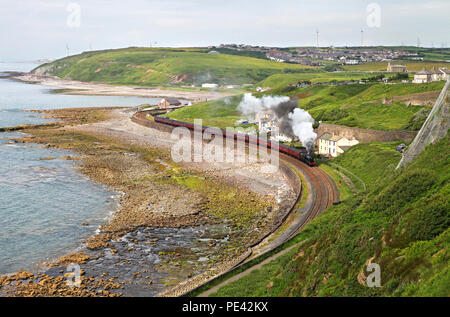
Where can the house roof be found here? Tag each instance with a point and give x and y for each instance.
(172, 101)
(326, 136)
(423, 72)
(434, 71)
(344, 147)
(335, 138)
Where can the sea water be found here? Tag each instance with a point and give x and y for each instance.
(43, 203)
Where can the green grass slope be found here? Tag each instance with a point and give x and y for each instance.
(282, 80)
(161, 66)
(358, 105)
(401, 223)
(411, 66)
(219, 113)
(361, 105)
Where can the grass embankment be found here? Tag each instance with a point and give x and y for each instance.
(400, 223)
(361, 105)
(360, 165)
(161, 66)
(220, 113)
(278, 81)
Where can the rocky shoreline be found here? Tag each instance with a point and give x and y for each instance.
(204, 217)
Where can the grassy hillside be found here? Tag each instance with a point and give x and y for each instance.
(361, 105)
(159, 66)
(220, 113)
(401, 223)
(282, 80)
(352, 105)
(411, 66)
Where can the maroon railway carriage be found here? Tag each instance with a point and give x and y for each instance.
(300, 153)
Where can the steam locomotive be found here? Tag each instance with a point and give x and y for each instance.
(299, 153)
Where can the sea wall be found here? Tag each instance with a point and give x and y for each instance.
(365, 135)
(435, 127)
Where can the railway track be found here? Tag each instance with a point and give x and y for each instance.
(324, 191)
(322, 188)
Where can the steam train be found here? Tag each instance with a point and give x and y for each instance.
(300, 153)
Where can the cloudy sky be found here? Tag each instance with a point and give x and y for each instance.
(31, 29)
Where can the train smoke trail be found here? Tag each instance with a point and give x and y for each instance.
(293, 121)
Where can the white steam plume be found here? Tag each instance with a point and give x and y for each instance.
(251, 105)
(302, 126)
(293, 121)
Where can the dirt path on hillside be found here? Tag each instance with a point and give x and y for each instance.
(248, 271)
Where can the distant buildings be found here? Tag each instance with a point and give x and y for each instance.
(208, 85)
(279, 56)
(169, 103)
(333, 145)
(396, 68)
(310, 56)
(425, 76)
(268, 124)
(422, 77)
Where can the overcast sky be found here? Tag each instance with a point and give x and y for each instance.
(32, 29)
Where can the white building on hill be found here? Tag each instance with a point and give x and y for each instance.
(422, 77)
(268, 124)
(207, 85)
(425, 76)
(333, 145)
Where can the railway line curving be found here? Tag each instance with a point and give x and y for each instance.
(322, 193)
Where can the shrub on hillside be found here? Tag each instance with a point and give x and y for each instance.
(405, 189)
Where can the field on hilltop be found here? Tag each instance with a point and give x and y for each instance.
(411, 66)
(164, 66)
(278, 81)
(400, 223)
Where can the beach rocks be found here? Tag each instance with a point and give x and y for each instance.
(80, 258)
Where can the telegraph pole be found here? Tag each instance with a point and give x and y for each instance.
(317, 38)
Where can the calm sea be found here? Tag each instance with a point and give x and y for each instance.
(44, 202)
